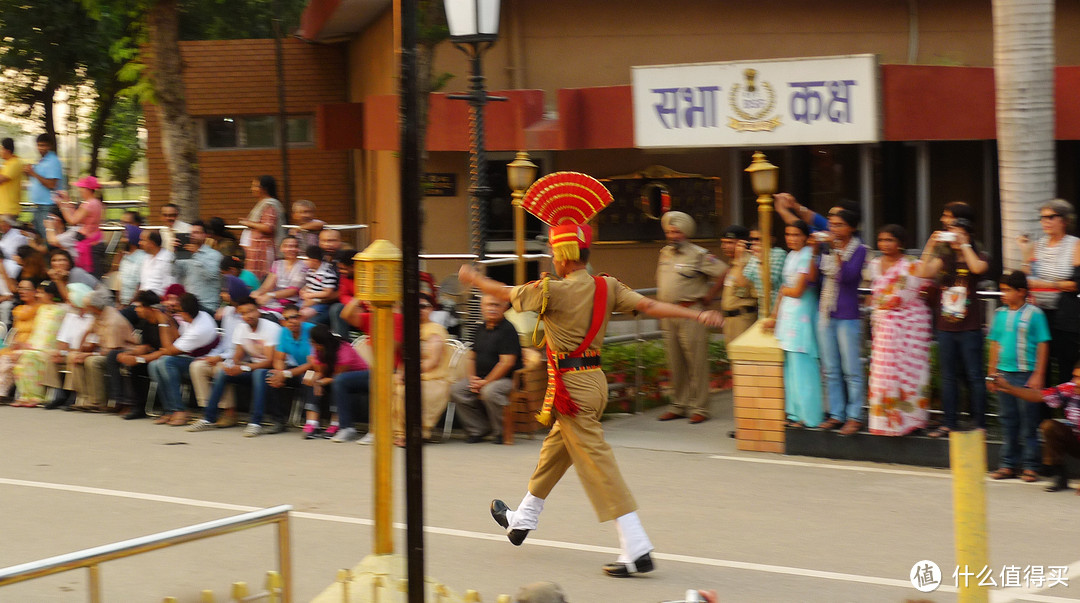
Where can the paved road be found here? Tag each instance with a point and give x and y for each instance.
(756, 527)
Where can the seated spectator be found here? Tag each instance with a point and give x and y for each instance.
(329, 242)
(109, 333)
(86, 218)
(132, 388)
(254, 340)
(63, 273)
(435, 390)
(69, 339)
(292, 360)
(33, 361)
(156, 273)
(128, 261)
(197, 336)
(23, 327)
(31, 263)
(305, 227)
(343, 261)
(1061, 439)
(482, 395)
(282, 286)
(234, 266)
(11, 239)
(221, 239)
(342, 374)
(57, 234)
(199, 268)
(320, 288)
(1019, 350)
(355, 313)
(172, 226)
(202, 371)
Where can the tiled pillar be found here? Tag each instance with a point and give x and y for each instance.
(757, 367)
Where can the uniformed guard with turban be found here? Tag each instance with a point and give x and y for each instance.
(575, 311)
(690, 276)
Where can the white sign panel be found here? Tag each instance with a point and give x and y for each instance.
(824, 100)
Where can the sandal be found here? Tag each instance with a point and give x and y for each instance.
(1003, 473)
(939, 432)
(1029, 476)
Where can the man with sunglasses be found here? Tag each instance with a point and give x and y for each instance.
(291, 362)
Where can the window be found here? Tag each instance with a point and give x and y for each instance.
(255, 132)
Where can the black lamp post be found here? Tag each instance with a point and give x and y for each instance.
(474, 27)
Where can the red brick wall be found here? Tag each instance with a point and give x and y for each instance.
(239, 78)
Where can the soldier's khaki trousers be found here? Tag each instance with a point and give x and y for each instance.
(687, 345)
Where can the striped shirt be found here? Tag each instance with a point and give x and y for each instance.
(1052, 264)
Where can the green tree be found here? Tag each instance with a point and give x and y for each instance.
(121, 139)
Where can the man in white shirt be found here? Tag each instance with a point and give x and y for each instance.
(202, 370)
(11, 239)
(156, 273)
(69, 338)
(172, 226)
(254, 339)
(198, 335)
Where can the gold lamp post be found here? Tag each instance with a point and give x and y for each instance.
(378, 281)
(764, 179)
(520, 174)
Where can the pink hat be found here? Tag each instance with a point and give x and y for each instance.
(89, 182)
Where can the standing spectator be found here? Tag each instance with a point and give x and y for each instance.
(690, 276)
(306, 228)
(1019, 349)
(45, 177)
(956, 265)
(156, 273)
(344, 373)
(133, 387)
(221, 239)
(87, 215)
(287, 276)
(434, 389)
(197, 336)
(739, 303)
(32, 374)
(11, 177)
(482, 395)
(292, 360)
(1051, 263)
(320, 287)
(264, 226)
(172, 226)
(751, 273)
(901, 323)
(839, 325)
(254, 340)
(795, 321)
(201, 272)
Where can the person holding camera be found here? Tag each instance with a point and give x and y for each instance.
(952, 260)
(739, 299)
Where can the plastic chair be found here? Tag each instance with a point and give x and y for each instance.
(456, 372)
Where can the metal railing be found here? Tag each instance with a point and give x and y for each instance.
(91, 559)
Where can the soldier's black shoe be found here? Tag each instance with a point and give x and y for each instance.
(624, 570)
(498, 511)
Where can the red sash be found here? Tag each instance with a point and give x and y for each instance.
(556, 395)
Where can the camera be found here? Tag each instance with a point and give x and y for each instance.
(947, 237)
(820, 236)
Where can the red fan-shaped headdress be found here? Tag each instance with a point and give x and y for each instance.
(565, 201)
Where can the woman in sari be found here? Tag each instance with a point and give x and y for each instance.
(795, 321)
(32, 374)
(434, 388)
(23, 326)
(900, 360)
(264, 226)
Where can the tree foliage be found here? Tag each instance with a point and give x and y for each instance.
(121, 140)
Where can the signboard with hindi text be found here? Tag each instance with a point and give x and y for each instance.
(822, 100)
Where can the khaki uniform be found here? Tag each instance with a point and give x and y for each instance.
(683, 277)
(579, 440)
(740, 306)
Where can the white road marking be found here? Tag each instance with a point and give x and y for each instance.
(1002, 596)
(933, 472)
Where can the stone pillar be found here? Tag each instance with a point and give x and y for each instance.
(757, 367)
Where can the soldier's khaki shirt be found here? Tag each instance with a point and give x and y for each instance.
(685, 275)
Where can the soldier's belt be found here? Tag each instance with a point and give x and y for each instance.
(738, 311)
(588, 360)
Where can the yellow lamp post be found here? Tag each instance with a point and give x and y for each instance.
(764, 178)
(520, 174)
(378, 281)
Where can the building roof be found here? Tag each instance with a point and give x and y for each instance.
(330, 21)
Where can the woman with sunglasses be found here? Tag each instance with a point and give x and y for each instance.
(1052, 264)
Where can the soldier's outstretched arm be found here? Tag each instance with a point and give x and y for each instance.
(488, 286)
(659, 309)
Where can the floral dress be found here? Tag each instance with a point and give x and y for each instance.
(900, 360)
(32, 374)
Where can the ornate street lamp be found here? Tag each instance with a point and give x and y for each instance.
(520, 174)
(764, 179)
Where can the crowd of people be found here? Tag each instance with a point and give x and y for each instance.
(817, 316)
